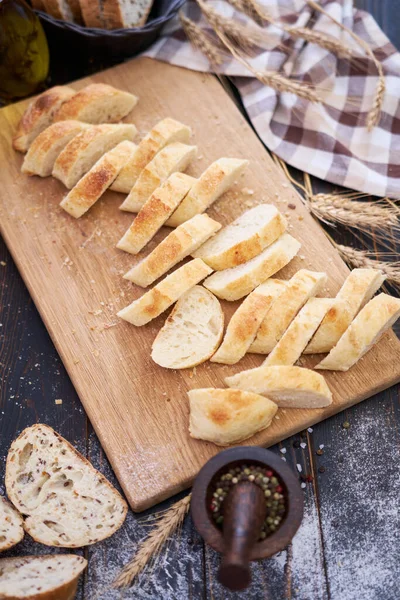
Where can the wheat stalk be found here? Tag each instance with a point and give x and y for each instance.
(151, 546)
(201, 40)
(362, 259)
(249, 8)
(320, 39)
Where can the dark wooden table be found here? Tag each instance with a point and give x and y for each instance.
(348, 545)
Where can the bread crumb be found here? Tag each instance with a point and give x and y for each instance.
(58, 401)
(300, 218)
(247, 191)
(3, 263)
(96, 353)
(285, 185)
(76, 361)
(302, 257)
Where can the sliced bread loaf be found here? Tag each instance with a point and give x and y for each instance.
(243, 326)
(97, 103)
(125, 13)
(165, 132)
(192, 331)
(59, 9)
(289, 387)
(367, 328)
(46, 577)
(11, 526)
(233, 284)
(81, 153)
(67, 501)
(243, 239)
(92, 13)
(155, 211)
(228, 416)
(39, 115)
(164, 294)
(175, 247)
(172, 158)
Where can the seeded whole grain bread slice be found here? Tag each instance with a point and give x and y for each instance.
(125, 13)
(67, 501)
(11, 525)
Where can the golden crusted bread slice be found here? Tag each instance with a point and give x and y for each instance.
(214, 182)
(38, 4)
(155, 211)
(80, 154)
(243, 239)
(43, 152)
(96, 181)
(367, 328)
(164, 294)
(122, 13)
(289, 387)
(233, 284)
(302, 286)
(300, 331)
(11, 526)
(66, 10)
(92, 13)
(46, 577)
(243, 326)
(68, 502)
(175, 247)
(97, 103)
(356, 291)
(39, 115)
(229, 416)
(172, 158)
(192, 331)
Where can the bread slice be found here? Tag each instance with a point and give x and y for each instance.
(302, 286)
(75, 7)
(164, 294)
(46, 577)
(92, 13)
(243, 326)
(172, 158)
(163, 133)
(243, 239)
(227, 417)
(356, 291)
(86, 148)
(300, 331)
(125, 13)
(367, 328)
(11, 526)
(175, 247)
(289, 387)
(38, 5)
(192, 331)
(214, 182)
(155, 211)
(59, 9)
(233, 284)
(39, 115)
(97, 103)
(43, 152)
(96, 181)
(68, 502)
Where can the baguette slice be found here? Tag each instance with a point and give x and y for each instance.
(43, 152)
(68, 502)
(59, 9)
(155, 211)
(86, 148)
(192, 331)
(228, 416)
(289, 387)
(243, 326)
(75, 7)
(11, 526)
(38, 5)
(39, 115)
(243, 239)
(233, 284)
(97, 103)
(121, 14)
(215, 181)
(172, 158)
(46, 577)
(367, 328)
(92, 13)
(169, 290)
(96, 181)
(302, 286)
(300, 331)
(175, 247)
(356, 291)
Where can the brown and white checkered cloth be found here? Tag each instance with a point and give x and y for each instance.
(330, 139)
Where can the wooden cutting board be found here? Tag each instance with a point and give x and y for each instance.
(73, 271)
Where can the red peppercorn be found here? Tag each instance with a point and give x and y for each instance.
(269, 473)
(279, 489)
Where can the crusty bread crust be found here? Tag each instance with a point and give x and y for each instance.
(38, 5)
(11, 526)
(114, 17)
(92, 13)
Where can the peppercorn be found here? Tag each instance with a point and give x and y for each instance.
(346, 425)
(321, 469)
(320, 452)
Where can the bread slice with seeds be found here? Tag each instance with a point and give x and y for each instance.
(97, 103)
(67, 502)
(46, 577)
(11, 526)
(81, 153)
(92, 13)
(59, 9)
(126, 13)
(39, 115)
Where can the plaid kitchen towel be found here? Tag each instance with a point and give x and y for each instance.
(328, 139)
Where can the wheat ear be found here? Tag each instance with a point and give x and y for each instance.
(362, 259)
(200, 40)
(249, 8)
